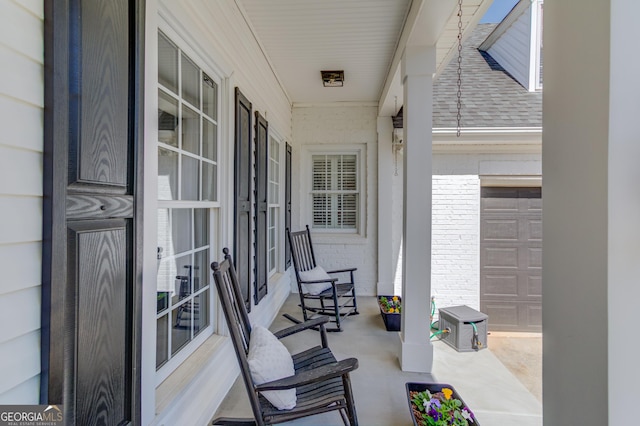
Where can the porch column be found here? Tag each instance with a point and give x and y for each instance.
(591, 245)
(418, 67)
(385, 188)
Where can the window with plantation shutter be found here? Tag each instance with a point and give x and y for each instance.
(335, 191)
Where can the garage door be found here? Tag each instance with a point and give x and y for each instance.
(511, 258)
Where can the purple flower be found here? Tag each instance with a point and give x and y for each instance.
(433, 413)
(467, 414)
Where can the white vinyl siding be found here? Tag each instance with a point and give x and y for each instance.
(334, 191)
(21, 146)
(512, 49)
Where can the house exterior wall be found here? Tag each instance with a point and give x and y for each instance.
(455, 278)
(219, 32)
(327, 125)
(215, 35)
(21, 148)
(512, 49)
(456, 188)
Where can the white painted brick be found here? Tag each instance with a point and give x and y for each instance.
(315, 125)
(455, 278)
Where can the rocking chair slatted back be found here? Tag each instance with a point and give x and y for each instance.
(302, 250)
(238, 316)
(338, 301)
(322, 383)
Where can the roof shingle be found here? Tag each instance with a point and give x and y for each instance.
(491, 97)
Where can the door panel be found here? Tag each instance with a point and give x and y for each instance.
(242, 189)
(92, 230)
(261, 185)
(104, 86)
(511, 258)
(103, 294)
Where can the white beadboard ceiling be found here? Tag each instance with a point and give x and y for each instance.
(365, 38)
(303, 37)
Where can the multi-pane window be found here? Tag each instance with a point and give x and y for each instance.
(183, 308)
(274, 204)
(187, 199)
(335, 191)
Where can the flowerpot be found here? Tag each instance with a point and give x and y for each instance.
(391, 320)
(434, 388)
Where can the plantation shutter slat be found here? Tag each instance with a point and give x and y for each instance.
(335, 191)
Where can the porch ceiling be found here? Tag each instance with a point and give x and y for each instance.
(365, 38)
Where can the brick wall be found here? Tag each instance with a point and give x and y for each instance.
(455, 240)
(455, 250)
(339, 125)
(455, 278)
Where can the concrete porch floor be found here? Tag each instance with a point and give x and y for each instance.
(494, 394)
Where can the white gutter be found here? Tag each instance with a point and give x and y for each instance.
(488, 140)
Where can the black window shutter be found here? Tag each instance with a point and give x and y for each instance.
(260, 218)
(92, 210)
(287, 206)
(242, 191)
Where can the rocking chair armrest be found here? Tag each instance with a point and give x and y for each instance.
(331, 280)
(324, 372)
(342, 270)
(300, 327)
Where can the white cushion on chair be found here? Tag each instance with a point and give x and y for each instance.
(261, 336)
(270, 360)
(315, 274)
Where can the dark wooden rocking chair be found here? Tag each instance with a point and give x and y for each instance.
(322, 384)
(337, 301)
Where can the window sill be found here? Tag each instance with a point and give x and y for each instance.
(275, 277)
(182, 376)
(328, 238)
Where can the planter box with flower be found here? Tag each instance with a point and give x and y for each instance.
(391, 310)
(438, 404)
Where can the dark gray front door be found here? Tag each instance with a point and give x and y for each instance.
(511, 258)
(92, 249)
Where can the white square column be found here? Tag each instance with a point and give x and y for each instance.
(591, 245)
(385, 216)
(418, 67)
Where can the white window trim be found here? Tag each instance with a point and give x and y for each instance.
(360, 151)
(277, 206)
(158, 18)
(536, 42)
(213, 72)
